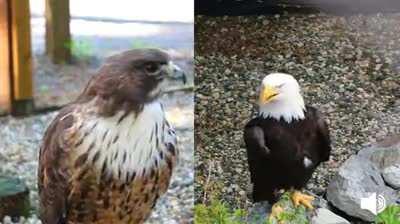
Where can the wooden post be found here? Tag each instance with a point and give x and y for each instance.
(5, 69)
(58, 37)
(22, 87)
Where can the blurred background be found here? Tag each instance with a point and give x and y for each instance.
(50, 49)
(252, 7)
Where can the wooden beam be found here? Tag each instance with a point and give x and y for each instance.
(22, 88)
(58, 36)
(5, 69)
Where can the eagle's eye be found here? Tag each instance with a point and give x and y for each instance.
(152, 68)
(280, 86)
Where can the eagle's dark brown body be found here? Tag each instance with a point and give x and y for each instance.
(276, 151)
(108, 156)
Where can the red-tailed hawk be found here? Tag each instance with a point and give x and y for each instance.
(109, 155)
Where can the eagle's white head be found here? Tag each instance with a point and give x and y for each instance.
(280, 97)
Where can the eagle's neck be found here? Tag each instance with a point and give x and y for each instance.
(289, 110)
(128, 144)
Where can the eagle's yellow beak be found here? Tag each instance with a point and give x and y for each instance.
(267, 93)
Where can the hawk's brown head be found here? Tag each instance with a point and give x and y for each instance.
(129, 80)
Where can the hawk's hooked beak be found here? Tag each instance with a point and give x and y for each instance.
(175, 73)
(267, 93)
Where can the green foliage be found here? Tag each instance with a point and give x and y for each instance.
(138, 44)
(81, 49)
(291, 214)
(391, 215)
(218, 213)
(295, 216)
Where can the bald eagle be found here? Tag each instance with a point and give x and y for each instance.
(285, 142)
(109, 155)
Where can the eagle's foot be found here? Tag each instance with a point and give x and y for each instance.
(276, 210)
(304, 199)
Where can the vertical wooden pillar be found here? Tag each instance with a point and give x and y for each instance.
(58, 37)
(21, 58)
(16, 87)
(5, 69)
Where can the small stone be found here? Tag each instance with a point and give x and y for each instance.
(265, 22)
(7, 220)
(391, 175)
(324, 216)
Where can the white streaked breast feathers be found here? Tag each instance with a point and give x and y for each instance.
(127, 143)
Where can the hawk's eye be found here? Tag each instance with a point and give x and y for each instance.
(152, 67)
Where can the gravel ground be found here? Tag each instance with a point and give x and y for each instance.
(348, 67)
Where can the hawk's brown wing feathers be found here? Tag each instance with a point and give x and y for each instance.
(53, 169)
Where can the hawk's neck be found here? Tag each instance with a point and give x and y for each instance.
(128, 144)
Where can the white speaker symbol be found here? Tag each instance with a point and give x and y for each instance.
(381, 204)
(373, 203)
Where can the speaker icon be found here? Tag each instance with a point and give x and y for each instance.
(374, 203)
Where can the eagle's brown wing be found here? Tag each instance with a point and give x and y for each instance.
(53, 173)
(325, 141)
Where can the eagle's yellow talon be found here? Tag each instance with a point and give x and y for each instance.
(300, 198)
(275, 211)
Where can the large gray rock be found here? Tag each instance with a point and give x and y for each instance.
(358, 178)
(384, 153)
(375, 169)
(386, 156)
(324, 216)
